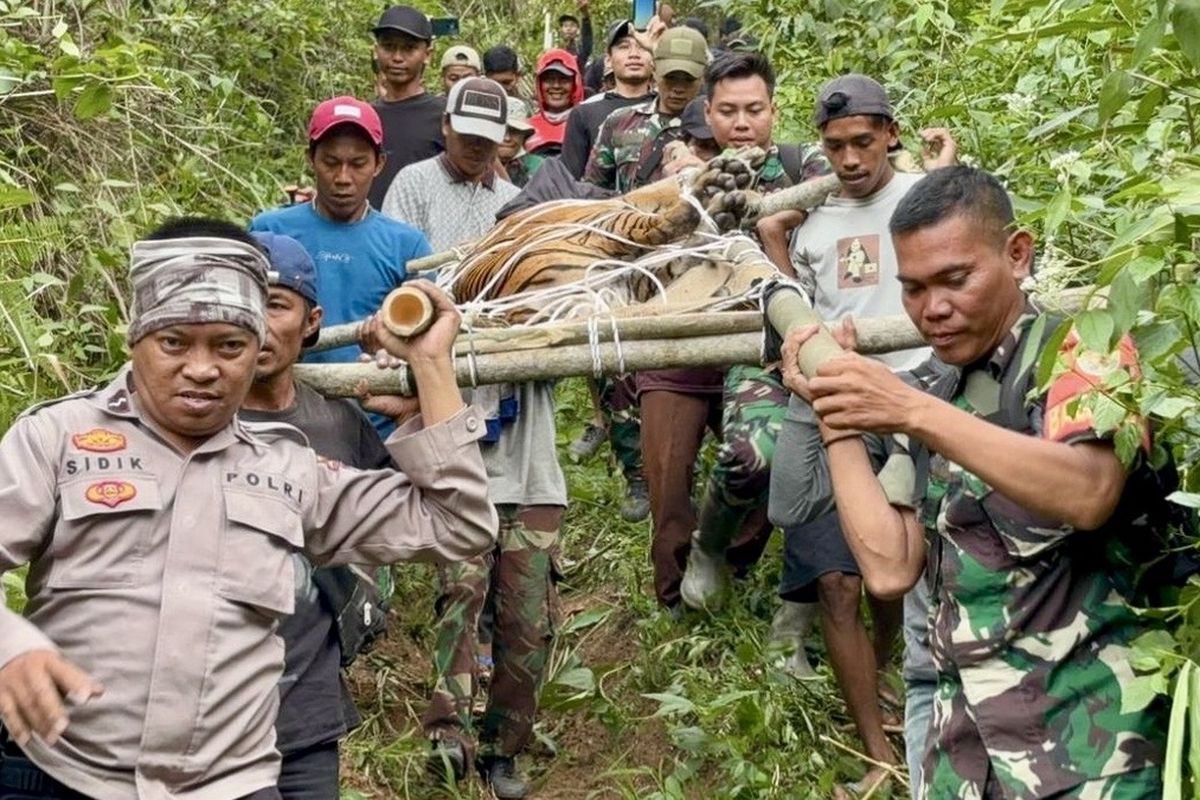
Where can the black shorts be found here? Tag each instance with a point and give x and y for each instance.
(810, 551)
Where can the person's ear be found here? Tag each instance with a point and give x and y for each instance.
(1018, 252)
(893, 133)
(708, 111)
(380, 160)
(313, 323)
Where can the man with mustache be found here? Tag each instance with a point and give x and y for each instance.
(160, 529)
(412, 118)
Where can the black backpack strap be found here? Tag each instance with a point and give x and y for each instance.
(650, 164)
(789, 156)
(1016, 386)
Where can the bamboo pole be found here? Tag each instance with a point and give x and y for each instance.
(787, 309)
(665, 326)
(880, 335)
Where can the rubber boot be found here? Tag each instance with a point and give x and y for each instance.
(705, 579)
(789, 629)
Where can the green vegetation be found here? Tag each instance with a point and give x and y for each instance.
(117, 113)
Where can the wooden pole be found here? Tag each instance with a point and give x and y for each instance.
(664, 326)
(516, 365)
(880, 335)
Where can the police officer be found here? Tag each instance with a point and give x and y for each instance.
(160, 530)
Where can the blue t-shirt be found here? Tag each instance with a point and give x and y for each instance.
(358, 263)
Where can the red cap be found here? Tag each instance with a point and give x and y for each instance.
(345, 110)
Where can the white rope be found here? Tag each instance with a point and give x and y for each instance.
(472, 364)
(593, 331)
(617, 345)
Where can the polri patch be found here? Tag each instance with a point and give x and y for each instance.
(99, 440)
(111, 493)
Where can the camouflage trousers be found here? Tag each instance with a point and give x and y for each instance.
(618, 404)
(755, 401)
(957, 763)
(519, 572)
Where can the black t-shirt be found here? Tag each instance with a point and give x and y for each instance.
(412, 132)
(583, 124)
(315, 706)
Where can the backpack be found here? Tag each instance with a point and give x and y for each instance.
(359, 607)
(793, 164)
(1168, 533)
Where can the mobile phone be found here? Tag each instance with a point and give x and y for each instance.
(444, 26)
(643, 10)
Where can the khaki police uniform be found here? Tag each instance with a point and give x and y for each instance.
(163, 574)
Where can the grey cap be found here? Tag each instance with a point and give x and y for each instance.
(518, 115)
(851, 96)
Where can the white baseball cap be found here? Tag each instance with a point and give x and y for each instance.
(478, 107)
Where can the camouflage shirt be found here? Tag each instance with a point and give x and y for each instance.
(629, 138)
(1031, 622)
(773, 175)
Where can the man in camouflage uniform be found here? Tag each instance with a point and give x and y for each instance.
(629, 154)
(528, 488)
(520, 568)
(1016, 504)
(741, 113)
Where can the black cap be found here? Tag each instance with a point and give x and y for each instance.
(616, 32)
(692, 122)
(851, 96)
(405, 19)
(697, 24)
(567, 18)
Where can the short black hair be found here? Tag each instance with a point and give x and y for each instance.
(347, 128)
(739, 65)
(188, 227)
(697, 24)
(950, 191)
(500, 58)
(568, 18)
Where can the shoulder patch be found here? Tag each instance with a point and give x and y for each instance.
(268, 432)
(36, 407)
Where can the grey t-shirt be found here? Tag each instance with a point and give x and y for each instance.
(522, 465)
(844, 259)
(315, 706)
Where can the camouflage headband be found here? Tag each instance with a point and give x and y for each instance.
(194, 281)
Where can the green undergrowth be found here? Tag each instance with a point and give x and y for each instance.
(636, 705)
